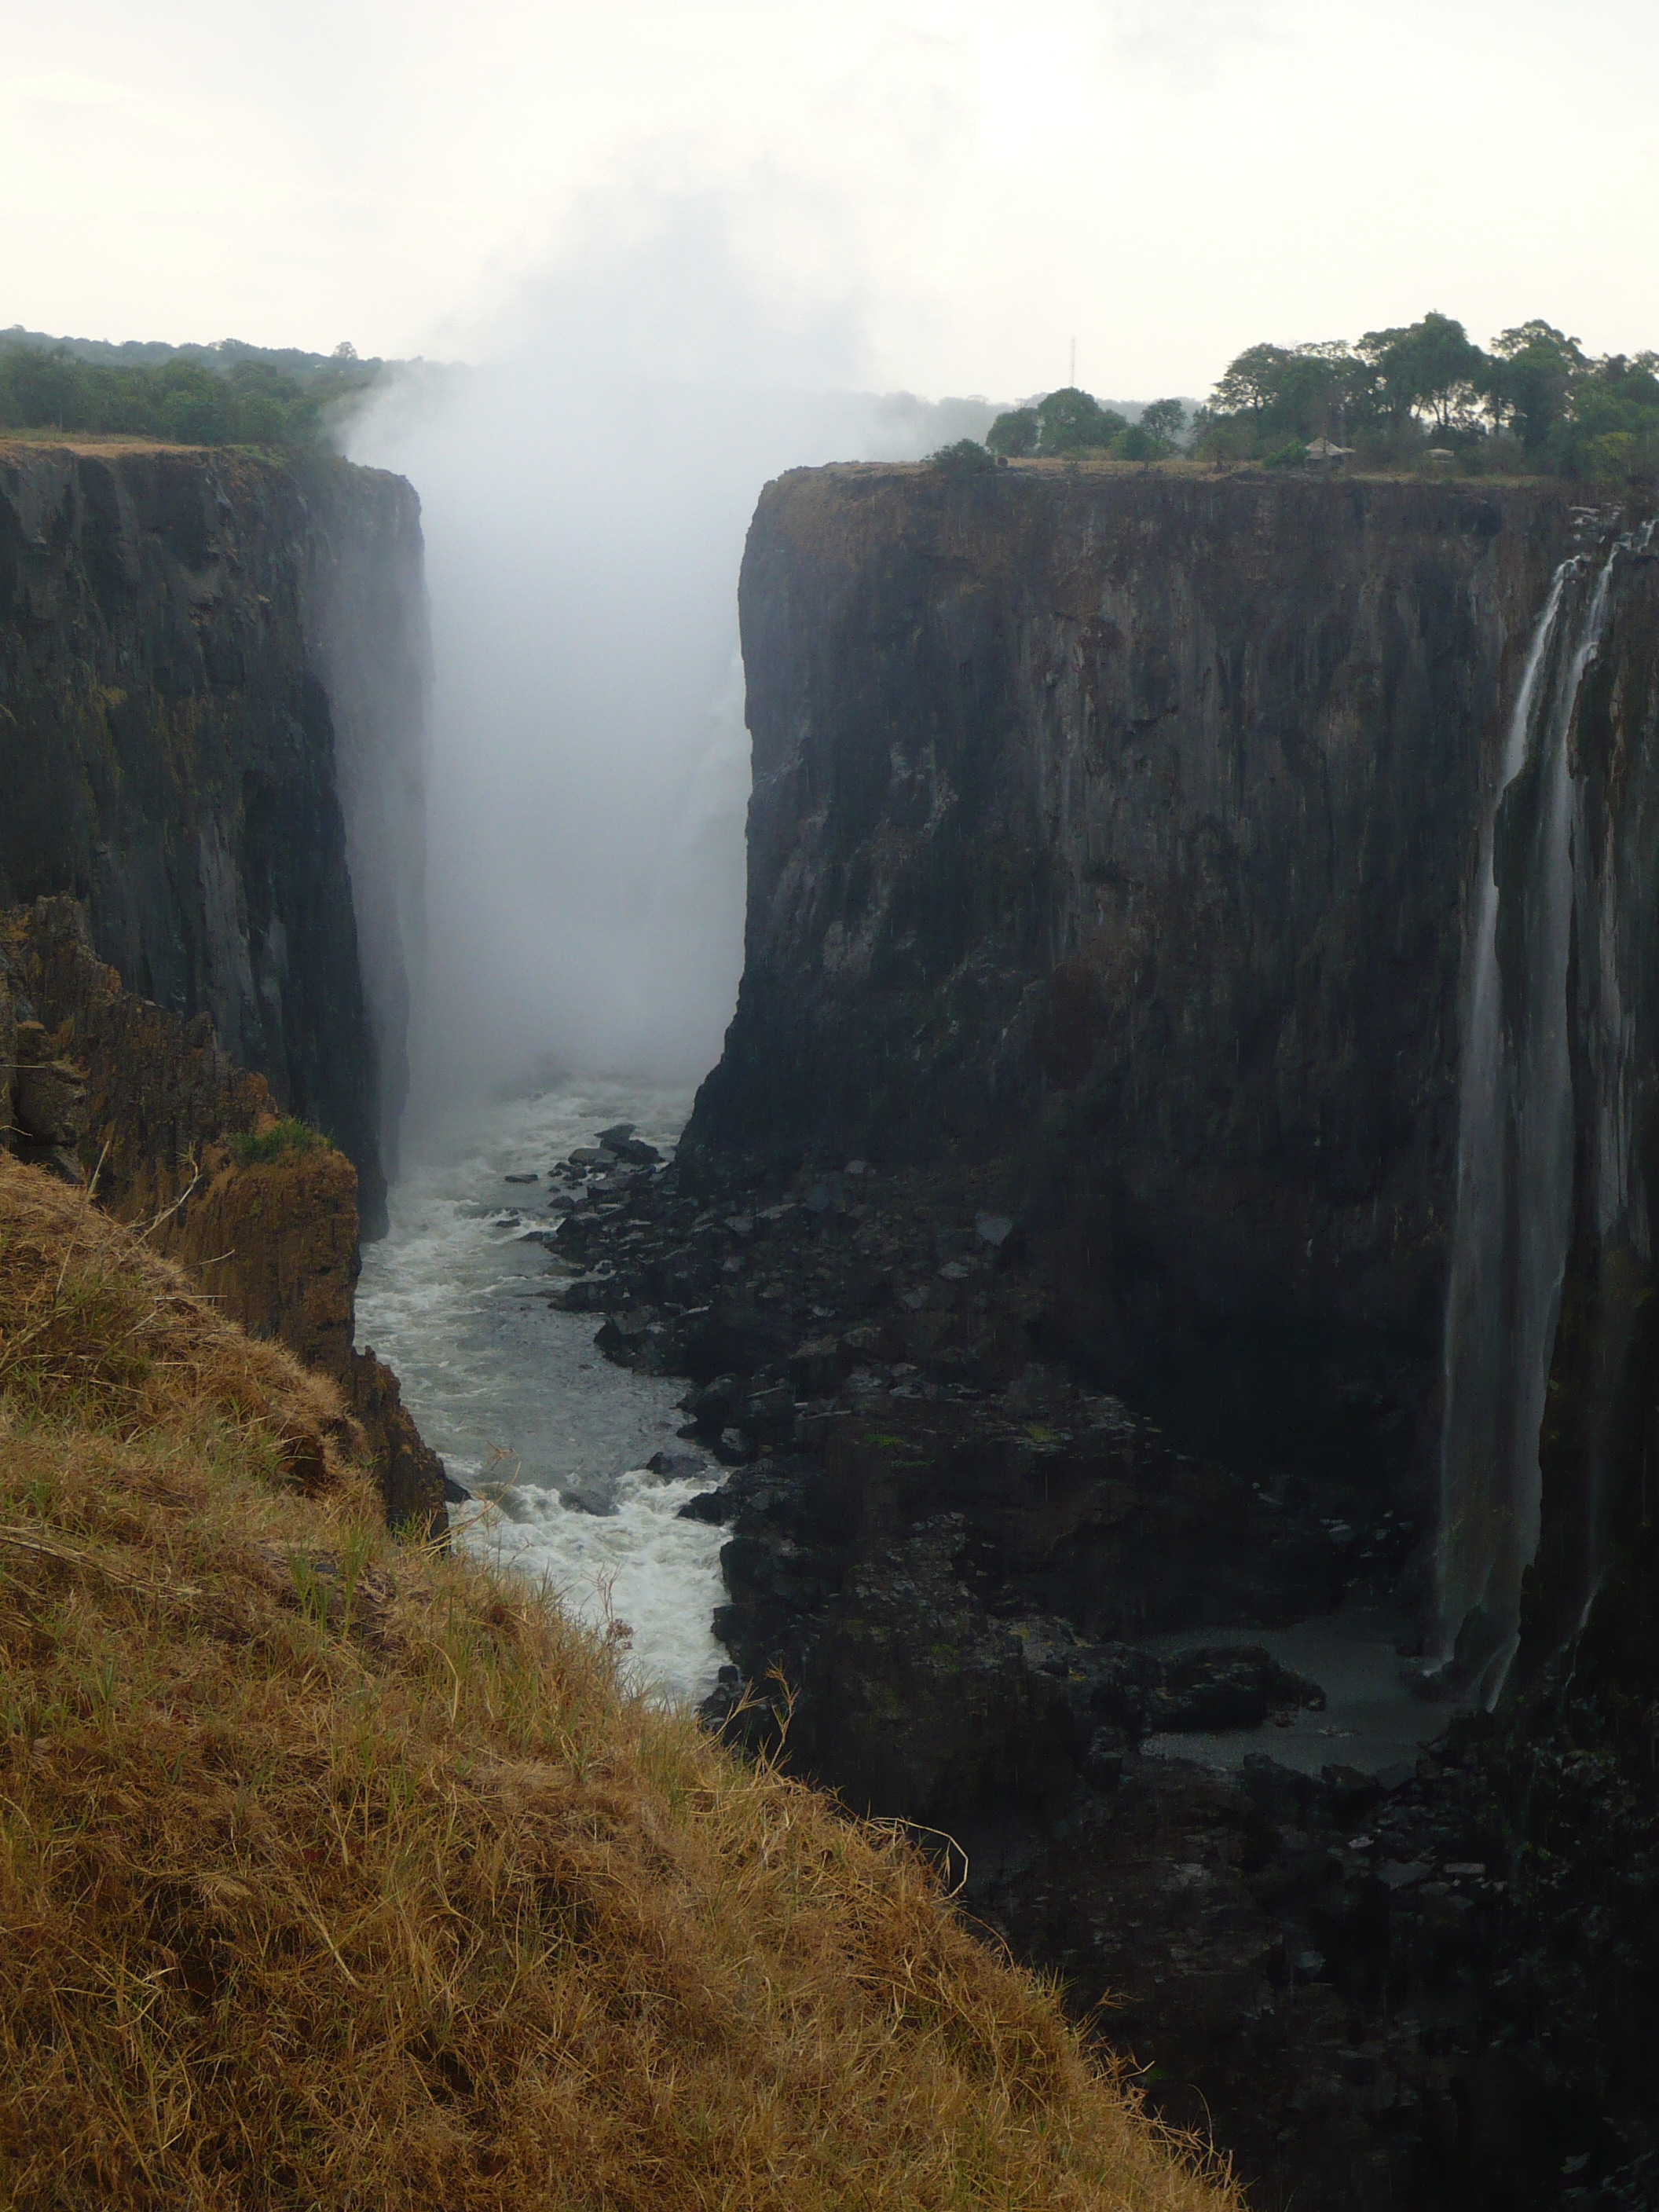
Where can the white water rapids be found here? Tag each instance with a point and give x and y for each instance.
(551, 1439)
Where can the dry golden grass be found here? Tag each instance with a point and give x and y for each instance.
(336, 1874)
(94, 441)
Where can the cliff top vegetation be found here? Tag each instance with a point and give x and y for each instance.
(1070, 421)
(220, 355)
(225, 394)
(1532, 401)
(1422, 395)
(335, 1872)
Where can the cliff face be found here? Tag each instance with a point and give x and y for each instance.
(173, 1137)
(1122, 825)
(1131, 885)
(1598, 1541)
(211, 670)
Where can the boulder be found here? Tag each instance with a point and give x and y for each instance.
(583, 1294)
(713, 1406)
(815, 1367)
(49, 1100)
(770, 1413)
(715, 1507)
(674, 1467)
(1102, 1762)
(1228, 1687)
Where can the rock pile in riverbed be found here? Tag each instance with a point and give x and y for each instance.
(950, 1550)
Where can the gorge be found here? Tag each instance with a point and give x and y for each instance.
(1192, 923)
(1163, 1265)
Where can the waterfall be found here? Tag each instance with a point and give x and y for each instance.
(1514, 1193)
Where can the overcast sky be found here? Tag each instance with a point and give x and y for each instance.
(932, 196)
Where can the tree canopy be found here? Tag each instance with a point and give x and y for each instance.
(1529, 380)
(1533, 400)
(1072, 421)
(1014, 436)
(1429, 368)
(197, 396)
(1164, 420)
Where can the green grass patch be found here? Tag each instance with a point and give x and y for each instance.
(258, 1148)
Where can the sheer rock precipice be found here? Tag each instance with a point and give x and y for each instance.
(212, 670)
(1111, 860)
(1121, 825)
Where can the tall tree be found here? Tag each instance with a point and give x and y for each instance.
(1430, 367)
(1251, 383)
(1073, 422)
(1529, 380)
(1165, 419)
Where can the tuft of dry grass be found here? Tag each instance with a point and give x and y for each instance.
(339, 1874)
(98, 1331)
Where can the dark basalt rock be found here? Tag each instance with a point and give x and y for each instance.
(949, 1577)
(1228, 1689)
(1080, 1165)
(714, 1507)
(214, 669)
(675, 1467)
(1118, 827)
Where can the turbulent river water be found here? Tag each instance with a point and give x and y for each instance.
(550, 1439)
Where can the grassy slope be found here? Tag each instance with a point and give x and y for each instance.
(334, 1874)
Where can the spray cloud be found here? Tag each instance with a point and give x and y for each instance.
(585, 500)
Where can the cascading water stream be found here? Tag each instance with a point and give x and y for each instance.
(1514, 1204)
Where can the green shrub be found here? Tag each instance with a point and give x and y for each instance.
(259, 1148)
(966, 457)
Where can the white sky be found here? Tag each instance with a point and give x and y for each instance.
(954, 190)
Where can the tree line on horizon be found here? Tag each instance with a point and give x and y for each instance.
(225, 395)
(1069, 422)
(1534, 402)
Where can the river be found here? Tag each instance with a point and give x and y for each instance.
(549, 1438)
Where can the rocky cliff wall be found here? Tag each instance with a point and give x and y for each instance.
(1119, 887)
(211, 675)
(172, 1136)
(1121, 825)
